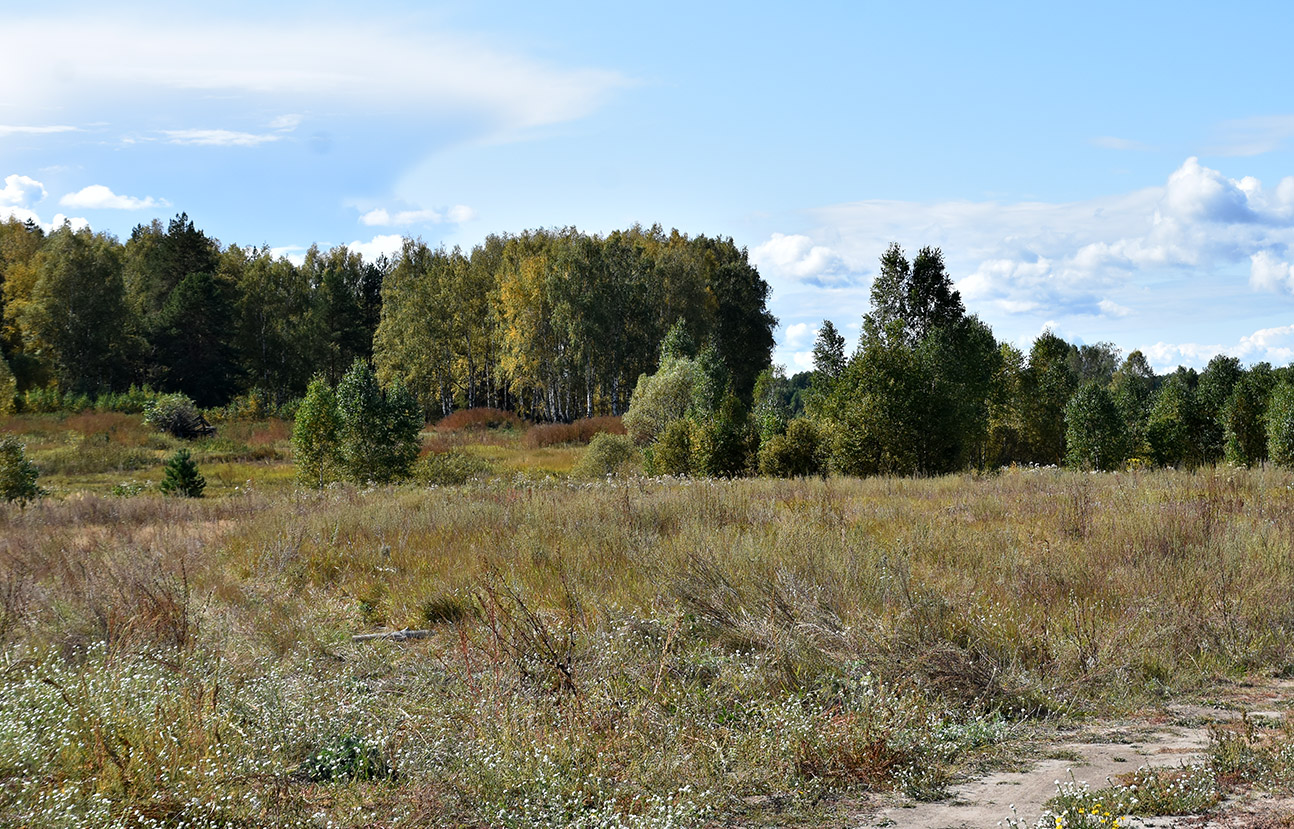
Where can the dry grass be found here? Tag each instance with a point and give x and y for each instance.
(635, 653)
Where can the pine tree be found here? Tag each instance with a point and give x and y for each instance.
(181, 477)
(17, 474)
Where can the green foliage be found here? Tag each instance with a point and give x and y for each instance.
(662, 398)
(177, 415)
(798, 453)
(17, 474)
(607, 454)
(346, 758)
(1133, 389)
(1244, 418)
(316, 445)
(1095, 433)
(1048, 383)
(1280, 424)
(378, 427)
(674, 451)
(1170, 426)
(181, 478)
(8, 390)
(726, 443)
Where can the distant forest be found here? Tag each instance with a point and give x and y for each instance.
(670, 330)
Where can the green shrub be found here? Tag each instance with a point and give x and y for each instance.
(378, 427)
(672, 452)
(315, 444)
(17, 474)
(607, 454)
(448, 469)
(727, 445)
(346, 758)
(176, 414)
(1280, 425)
(798, 453)
(1094, 432)
(181, 477)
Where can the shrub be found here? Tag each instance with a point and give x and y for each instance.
(662, 398)
(798, 453)
(181, 477)
(346, 758)
(673, 451)
(580, 431)
(176, 414)
(8, 389)
(726, 445)
(448, 469)
(479, 418)
(607, 454)
(17, 474)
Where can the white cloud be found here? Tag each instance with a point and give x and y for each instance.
(388, 245)
(111, 61)
(296, 254)
(22, 214)
(286, 122)
(798, 334)
(18, 190)
(1113, 309)
(381, 217)
(797, 257)
(1077, 258)
(1268, 273)
(12, 129)
(219, 138)
(99, 197)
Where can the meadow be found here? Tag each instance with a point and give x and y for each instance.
(630, 651)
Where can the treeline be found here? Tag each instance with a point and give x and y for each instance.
(553, 325)
(929, 390)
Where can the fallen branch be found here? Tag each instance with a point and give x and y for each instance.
(391, 636)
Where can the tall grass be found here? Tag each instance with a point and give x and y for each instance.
(629, 653)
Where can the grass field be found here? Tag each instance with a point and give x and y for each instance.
(633, 652)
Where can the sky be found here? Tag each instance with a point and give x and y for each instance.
(1117, 173)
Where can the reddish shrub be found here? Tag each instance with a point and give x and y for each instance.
(581, 431)
(481, 418)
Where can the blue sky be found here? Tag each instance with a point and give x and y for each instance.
(1116, 174)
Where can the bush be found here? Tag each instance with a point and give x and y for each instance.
(448, 469)
(798, 453)
(479, 418)
(727, 445)
(662, 398)
(181, 477)
(315, 447)
(581, 431)
(17, 474)
(8, 389)
(607, 454)
(1280, 425)
(673, 451)
(176, 414)
(1094, 433)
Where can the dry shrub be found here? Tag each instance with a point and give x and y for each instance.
(479, 418)
(580, 431)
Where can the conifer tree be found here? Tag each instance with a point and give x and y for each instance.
(181, 477)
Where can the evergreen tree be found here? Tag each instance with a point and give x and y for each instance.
(17, 474)
(181, 477)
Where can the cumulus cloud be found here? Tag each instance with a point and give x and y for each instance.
(798, 335)
(99, 197)
(18, 190)
(387, 245)
(381, 217)
(23, 214)
(1079, 258)
(797, 257)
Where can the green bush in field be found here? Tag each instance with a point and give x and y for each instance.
(606, 455)
(800, 452)
(181, 477)
(177, 414)
(672, 453)
(17, 474)
(726, 445)
(1280, 425)
(377, 426)
(1094, 433)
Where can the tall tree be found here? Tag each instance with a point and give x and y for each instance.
(1049, 382)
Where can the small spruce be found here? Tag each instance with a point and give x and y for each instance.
(17, 474)
(182, 478)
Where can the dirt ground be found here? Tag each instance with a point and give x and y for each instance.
(1176, 735)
